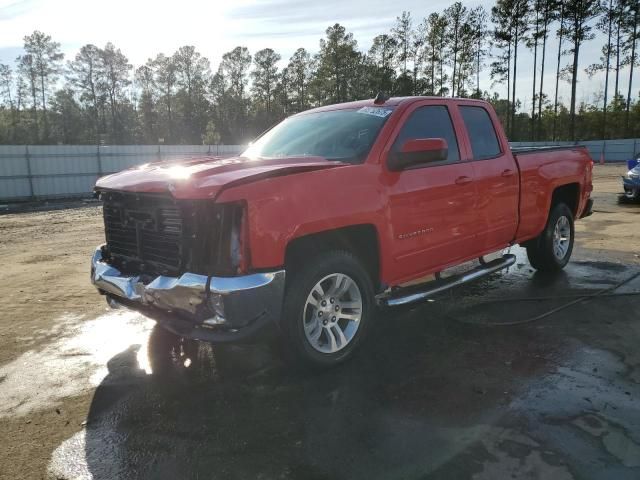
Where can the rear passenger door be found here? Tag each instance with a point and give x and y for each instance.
(431, 206)
(496, 177)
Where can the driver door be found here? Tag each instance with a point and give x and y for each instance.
(431, 206)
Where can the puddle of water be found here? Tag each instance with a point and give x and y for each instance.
(614, 438)
(589, 395)
(74, 363)
(514, 455)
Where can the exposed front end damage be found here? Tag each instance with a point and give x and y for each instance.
(214, 309)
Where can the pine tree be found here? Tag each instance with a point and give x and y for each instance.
(47, 58)
(265, 79)
(631, 30)
(338, 54)
(478, 18)
(456, 16)
(577, 29)
(381, 55)
(434, 51)
(82, 75)
(165, 77)
(192, 72)
(299, 70)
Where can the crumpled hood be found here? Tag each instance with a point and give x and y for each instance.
(206, 177)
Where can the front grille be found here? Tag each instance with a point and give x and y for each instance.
(155, 234)
(145, 233)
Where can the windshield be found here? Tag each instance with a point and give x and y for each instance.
(344, 135)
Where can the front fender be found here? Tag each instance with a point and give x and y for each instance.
(285, 208)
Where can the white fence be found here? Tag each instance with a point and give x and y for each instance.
(58, 171)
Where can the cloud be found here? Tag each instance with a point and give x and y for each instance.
(14, 8)
(9, 54)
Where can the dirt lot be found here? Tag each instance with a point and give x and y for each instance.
(437, 392)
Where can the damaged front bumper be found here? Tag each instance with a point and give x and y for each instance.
(213, 309)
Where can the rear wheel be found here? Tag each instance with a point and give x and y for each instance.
(328, 307)
(552, 249)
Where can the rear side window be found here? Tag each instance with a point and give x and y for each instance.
(430, 122)
(484, 141)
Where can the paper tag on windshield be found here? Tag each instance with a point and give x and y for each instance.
(376, 111)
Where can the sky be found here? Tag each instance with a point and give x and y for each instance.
(143, 28)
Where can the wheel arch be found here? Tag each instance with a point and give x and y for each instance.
(568, 194)
(361, 240)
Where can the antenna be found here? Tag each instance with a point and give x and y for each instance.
(381, 97)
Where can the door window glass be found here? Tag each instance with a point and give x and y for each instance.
(484, 141)
(430, 122)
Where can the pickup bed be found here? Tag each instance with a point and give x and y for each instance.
(329, 215)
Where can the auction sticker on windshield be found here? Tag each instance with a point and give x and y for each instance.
(376, 111)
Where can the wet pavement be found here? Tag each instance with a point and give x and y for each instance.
(441, 390)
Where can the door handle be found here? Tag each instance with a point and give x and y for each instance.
(463, 180)
(507, 173)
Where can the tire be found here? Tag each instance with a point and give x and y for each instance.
(548, 252)
(170, 354)
(631, 195)
(309, 326)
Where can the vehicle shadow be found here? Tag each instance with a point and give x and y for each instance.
(239, 412)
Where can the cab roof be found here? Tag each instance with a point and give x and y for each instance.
(391, 102)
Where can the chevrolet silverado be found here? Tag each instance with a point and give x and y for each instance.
(330, 214)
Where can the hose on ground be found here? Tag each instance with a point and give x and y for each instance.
(605, 292)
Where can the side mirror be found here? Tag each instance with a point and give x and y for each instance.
(417, 152)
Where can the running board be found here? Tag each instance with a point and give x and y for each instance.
(416, 293)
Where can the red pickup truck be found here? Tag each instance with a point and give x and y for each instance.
(329, 215)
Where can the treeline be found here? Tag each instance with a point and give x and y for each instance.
(99, 97)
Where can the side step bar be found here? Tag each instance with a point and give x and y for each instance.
(416, 293)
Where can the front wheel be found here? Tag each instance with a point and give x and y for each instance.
(328, 307)
(551, 251)
(631, 194)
